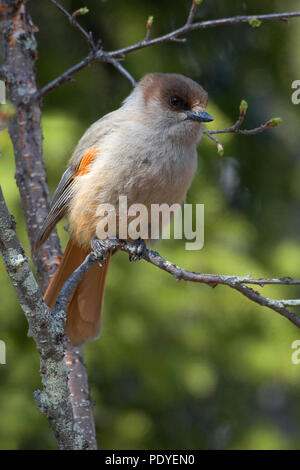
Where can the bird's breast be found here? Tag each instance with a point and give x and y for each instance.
(143, 169)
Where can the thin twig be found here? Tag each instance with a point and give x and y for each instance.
(192, 12)
(235, 128)
(235, 282)
(69, 287)
(65, 77)
(104, 56)
(205, 25)
(71, 17)
(96, 54)
(149, 24)
(290, 302)
(180, 40)
(239, 283)
(116, 63)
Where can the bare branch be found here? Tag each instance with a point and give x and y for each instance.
(239, 283)
(192, 12)
(148, 26)
(71, 17)
(47, 330)
(116, 63)
(70, 285)
(99, 54)
(182, 40)
(96, 54)
(235, 282)
(205, 25)
(290, 302)
(235, 128)
(64, 77)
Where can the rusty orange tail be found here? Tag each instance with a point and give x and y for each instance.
(85, 307)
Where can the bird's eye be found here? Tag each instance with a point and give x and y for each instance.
(177, 103)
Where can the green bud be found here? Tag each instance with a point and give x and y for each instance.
(255, 23)
(82, 11)
(220, 149)
(243, 107)
(150, 21)
(197, 2)
(275, 121)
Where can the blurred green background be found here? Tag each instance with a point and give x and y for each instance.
(178, 365)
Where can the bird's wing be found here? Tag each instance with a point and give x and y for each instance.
(95, 134)
(63, 195)
(83, 156)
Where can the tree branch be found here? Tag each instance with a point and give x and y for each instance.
(20, 53)
(86, 35)
(238, 283)
(71, 284)
(235, 282)
(192, 12)
(47, 330)
(204, 25)
(113, 57)
(235, 128)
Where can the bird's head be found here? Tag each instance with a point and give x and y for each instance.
(173, 103)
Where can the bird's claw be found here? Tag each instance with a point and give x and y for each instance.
(103, 247)
(137, 250)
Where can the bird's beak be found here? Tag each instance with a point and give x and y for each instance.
(202, 116)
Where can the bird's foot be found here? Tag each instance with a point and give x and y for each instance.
(137, 250)
(103, 247)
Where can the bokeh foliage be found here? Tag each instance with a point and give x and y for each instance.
(178, 365)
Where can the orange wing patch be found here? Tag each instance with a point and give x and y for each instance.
(86, 162)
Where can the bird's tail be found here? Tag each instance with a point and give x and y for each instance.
(85, 307)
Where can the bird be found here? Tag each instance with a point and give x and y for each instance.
(145, 150)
